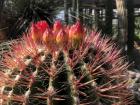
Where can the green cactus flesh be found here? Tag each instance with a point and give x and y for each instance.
(39, 73)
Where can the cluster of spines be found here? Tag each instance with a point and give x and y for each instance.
(60, 65)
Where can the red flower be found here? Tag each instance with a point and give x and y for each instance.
(61, 38)
(38, 29)
(57, 27)
(48, 37)
(42, 25)
(76, 33)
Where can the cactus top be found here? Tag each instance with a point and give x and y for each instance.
(62, 65)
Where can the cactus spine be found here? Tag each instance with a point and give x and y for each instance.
(61, 65)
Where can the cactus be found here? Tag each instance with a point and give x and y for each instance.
(62, 65)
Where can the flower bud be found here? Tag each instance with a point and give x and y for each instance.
(48, 36)
(76, 34)
(42, 25)
(37, 30)
(35, 33)
(57, 27)
(61, 38)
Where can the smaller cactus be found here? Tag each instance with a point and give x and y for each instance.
(63, 65)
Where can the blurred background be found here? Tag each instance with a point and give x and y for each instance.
(118, 19)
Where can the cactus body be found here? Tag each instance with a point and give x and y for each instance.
(63, 66)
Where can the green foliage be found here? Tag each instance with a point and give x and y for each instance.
(18, 14)
(137, 28)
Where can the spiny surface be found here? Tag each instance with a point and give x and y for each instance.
(63, 65)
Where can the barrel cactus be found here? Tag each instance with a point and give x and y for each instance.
(63, 65)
